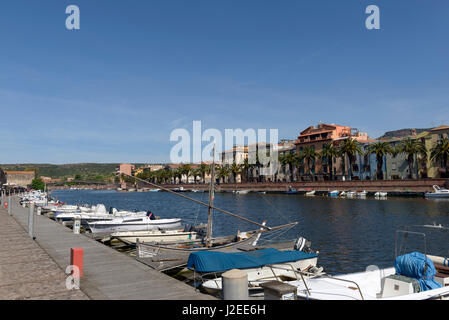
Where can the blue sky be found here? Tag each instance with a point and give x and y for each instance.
(115, 89)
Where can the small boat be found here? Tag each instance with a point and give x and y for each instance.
(342, 194)
(180, 189)
(310, 193)
(242, 191)
(154, 190)
(334, 193)
(414, 276)
(155, 236)
(261, 265)
(438, 193)
(350, 194)
(380, 194)
(361, 194)
(134, 223)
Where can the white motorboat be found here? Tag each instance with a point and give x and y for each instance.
(156, 236)
(380, 194)
(139, 223)
(415, 276)
(310, 193)
(361, 194)
(342, 194)
(242, 191)
(438, 193)
(154, 190)
(350, 194)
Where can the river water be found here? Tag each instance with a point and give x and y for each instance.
(350, 234)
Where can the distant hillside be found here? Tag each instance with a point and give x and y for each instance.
(402, 133)
(85, 170)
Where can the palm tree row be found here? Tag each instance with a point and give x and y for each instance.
(303, 164)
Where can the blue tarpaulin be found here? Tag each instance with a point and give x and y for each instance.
(415, 265)
(213, 261)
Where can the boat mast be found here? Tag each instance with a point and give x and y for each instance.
(211, 199)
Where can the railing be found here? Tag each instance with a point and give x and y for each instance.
(301, 273)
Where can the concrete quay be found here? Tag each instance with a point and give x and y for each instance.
(27, 272)
(107, 273)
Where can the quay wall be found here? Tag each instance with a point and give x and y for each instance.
(410, 185)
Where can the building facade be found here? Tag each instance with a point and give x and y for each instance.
(19, 178)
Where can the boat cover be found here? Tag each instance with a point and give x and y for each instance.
(214, 261)
(415, 265)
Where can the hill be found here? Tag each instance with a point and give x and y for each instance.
(85, 170)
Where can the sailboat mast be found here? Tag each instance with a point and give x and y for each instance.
(211, 199)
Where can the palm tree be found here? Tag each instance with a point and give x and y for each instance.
(202, 172)
(350, 148)
(309, 155)
(186, 170)
(328, 153)
(290, 159)
(235, 169)
(223, 172)
(440, 152)
(245, 166)
(412, 147)
(380, 149)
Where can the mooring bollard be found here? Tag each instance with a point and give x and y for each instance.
(8, 204)
(76, 225)
(76, 260)
(235, 285)
(31, 221)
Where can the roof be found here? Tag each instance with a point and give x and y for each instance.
(442, 127)
(20, 172)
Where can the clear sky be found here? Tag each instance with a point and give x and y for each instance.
(115, 89)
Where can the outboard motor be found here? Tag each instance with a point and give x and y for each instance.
(302, 244)
(151, 215)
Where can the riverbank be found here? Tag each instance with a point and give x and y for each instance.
(393, 187)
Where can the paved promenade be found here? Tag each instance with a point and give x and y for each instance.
(108, 274)
(26, 270)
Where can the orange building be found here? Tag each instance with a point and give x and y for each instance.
(316, 137)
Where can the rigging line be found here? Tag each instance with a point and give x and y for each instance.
(198, 211)
(213, 207)
(275, 209)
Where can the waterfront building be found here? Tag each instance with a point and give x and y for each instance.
(437, 169)
(2, 178)
(20, 178)
(315, 137)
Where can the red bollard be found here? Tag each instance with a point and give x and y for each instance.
(6, 204)
(76, 259)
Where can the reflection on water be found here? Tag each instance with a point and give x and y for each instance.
(350, 234)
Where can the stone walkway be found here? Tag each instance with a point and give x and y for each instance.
(27, 272)
(107, 273)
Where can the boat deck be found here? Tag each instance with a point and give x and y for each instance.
(108, 274)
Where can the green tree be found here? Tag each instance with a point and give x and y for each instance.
(309, 155)
(440, 152)
(412, 147)
(38, 184)
(380, 149)
(223, 172)
(235, 170)
(327, 154)
(350, 148)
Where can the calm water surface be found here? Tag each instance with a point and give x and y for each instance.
(350, 234)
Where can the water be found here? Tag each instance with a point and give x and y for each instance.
(350, 234)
